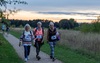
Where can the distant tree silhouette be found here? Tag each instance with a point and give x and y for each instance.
(69, 24)
(64, 23)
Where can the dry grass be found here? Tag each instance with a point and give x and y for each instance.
(78, 40)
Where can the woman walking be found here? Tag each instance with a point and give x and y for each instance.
(52, 38)
(7, 29)
(26, 39)
(3, 27)
(39, 33)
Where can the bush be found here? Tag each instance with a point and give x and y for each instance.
(96, 27)
(93, 27)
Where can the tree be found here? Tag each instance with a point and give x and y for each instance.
(1, 13)
(5, 12)
(4, 9)
(4, 3)
(57, 24)
(64, 24)
(69, 24)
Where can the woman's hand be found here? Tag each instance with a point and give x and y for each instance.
(33, 42)
(20, 43)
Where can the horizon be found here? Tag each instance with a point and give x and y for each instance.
(77, 20)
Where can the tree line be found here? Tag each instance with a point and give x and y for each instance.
(63, 23)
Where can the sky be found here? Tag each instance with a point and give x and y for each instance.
(81, 10)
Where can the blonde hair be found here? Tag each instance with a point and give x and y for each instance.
(27, 25)
(39, 23)
(51, 23)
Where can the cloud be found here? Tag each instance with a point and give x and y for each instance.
(42, 5)
(59, 9)
(70, 13)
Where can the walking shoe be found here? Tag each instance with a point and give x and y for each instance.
(38, 57)
(50, 57)
(25, 59)
(53, 59)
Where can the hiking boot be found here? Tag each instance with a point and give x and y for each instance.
(53, 59)
(38, 57)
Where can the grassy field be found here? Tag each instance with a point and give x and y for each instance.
(88, 42)
(7, 53)
(67, 54)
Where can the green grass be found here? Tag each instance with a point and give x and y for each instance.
(89, 27)
(15, 33)
(7, 53)
(64, 54)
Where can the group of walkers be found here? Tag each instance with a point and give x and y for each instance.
(5, 28)
(36, 37)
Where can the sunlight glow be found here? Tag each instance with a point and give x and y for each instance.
(30, 15)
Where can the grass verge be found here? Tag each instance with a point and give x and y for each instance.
(7, 53)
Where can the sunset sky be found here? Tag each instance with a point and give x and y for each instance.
(56, 10)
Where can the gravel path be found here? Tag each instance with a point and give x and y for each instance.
(20, 51)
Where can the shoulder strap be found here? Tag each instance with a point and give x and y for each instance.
(23, 34)
(43, 30)
(55, 29)
(31, 32)
(35, 30)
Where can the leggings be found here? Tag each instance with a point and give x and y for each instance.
(26, 51)
(38, 46)
(52, 47)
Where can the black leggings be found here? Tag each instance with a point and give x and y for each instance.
(26, 51)
(38, 46)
